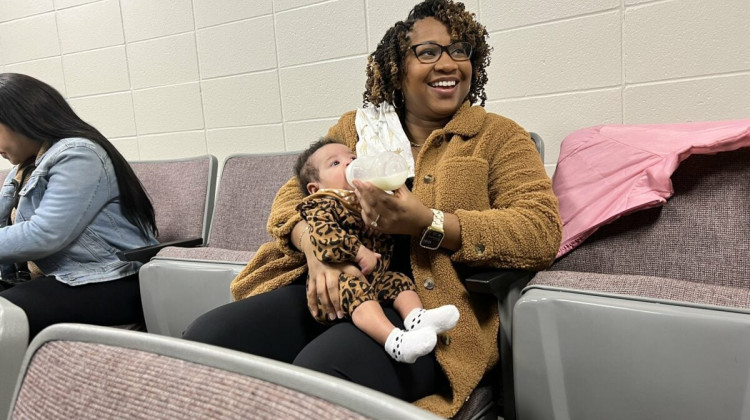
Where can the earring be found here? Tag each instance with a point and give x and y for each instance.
(398, 99)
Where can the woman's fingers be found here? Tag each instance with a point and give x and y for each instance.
(332, 284)
(369, 195)
(376, 205)
(401, 191)
(323, 294)
(397, 213)
(312, 296)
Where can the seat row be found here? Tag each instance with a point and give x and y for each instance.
(649, 318)
(227, 216)
(180, 283)
(75, 371)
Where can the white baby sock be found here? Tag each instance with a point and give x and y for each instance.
(439, 319)
(408, 346)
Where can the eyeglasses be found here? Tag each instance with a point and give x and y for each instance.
(430, 52)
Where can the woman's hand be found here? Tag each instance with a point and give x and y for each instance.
(397, 213)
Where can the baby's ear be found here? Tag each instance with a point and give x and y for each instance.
(313, 187)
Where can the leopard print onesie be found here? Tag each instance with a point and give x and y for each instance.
(337, 231)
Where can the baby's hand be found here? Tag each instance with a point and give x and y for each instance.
(366, 259)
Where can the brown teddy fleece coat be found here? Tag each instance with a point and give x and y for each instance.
(481, 167)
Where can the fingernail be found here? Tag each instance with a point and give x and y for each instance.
(331, 317)
(340, 314)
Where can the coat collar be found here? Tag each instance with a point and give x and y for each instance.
(467, 121)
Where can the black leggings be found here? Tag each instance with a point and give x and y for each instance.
(47, 301)
(279, 326)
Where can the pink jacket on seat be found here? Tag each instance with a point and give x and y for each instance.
(607, 171)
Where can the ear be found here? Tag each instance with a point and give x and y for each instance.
(313, 187)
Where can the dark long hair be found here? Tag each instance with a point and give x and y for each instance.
(33, 108)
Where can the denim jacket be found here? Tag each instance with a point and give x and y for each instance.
(69, 221)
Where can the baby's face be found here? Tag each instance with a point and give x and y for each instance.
(331, 161)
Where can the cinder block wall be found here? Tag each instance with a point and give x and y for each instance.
(175, 78)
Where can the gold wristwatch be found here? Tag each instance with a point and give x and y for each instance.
(433, 235)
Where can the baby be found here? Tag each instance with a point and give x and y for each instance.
(338, 234)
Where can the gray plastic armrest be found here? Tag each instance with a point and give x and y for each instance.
(497, 282)
(176, 292)
(506, 285)
(14, 337)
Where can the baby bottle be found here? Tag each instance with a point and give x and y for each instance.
(387, 170)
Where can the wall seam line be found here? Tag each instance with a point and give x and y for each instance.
(278, 78)
(200, 79)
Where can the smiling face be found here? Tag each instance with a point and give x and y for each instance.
(434, 92)
(16, 147)
(331, 161)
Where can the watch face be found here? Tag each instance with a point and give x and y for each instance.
(431, 239)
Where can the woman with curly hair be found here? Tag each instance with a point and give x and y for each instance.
(478, 197)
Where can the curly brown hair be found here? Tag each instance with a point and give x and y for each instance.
(385, 64)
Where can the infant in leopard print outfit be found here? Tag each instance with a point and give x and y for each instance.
(338, 234)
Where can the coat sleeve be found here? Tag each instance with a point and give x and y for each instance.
(63, 213)
(284, 215)
(523, 228)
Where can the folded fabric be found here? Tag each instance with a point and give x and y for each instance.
(607, 171)
(379, 129)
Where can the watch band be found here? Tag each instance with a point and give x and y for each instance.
(433, 235)
(438, 219)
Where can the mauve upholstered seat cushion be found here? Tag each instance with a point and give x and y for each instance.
(696, 248)
(647, 287)
(77, 380)
(206, 254)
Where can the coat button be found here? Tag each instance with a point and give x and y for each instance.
(429, 283)
(480, 249)
(428, 179)
(446, 340)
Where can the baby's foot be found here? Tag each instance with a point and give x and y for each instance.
(408, 346)
(439, 319)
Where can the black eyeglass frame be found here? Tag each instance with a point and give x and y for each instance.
(443, 48)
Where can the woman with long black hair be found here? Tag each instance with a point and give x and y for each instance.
(70, 203)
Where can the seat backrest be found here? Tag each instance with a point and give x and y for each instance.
(538, 143)
(14, 337)
(701, 234)
(249, 183)
(84, 371)
(182, 192)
